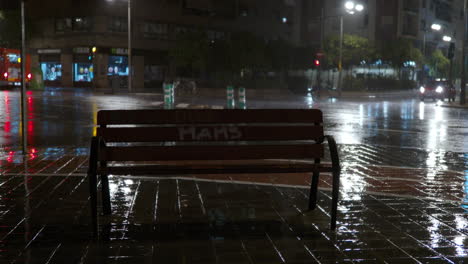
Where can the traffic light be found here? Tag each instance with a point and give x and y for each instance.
(317, 62)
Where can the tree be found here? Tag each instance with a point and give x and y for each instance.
(439, 64)
(355, 50)
(190, 51)
(247, 53)
(400, 51)
(10, 28)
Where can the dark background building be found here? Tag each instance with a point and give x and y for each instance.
(64, 32)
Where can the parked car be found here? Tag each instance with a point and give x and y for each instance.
(437, 90)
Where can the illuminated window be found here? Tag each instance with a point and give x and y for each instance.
(51, 71)
(118, 65)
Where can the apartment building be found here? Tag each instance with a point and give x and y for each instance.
(65, 32)
(387, 20)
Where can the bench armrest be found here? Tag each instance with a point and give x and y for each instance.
(333, 153)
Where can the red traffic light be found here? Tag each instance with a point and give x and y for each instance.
(317, 62)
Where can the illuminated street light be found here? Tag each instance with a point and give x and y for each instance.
(350, 8)
(349, 5)
(436, 27)
(359, 7)
(447, 38)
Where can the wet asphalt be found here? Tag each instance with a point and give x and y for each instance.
(59, 117)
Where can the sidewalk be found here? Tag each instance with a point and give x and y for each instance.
(402, 94)
(387, 214)
(456, 104)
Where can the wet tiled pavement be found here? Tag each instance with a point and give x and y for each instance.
(391, 210)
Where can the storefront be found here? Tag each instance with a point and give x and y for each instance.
(83, 67)
(118, 62)
(51, 66)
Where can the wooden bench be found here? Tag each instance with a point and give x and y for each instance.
(185, 136)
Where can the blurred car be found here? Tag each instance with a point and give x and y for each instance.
(437, 90)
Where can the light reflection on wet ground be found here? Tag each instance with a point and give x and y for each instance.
(403, 195)
(61, 118)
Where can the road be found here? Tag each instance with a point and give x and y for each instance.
(65, 118)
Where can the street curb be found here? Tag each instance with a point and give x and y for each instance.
(455, 106)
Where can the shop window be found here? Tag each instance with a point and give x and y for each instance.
(118, 65)
(118, 24)
(51, 71)
(83, 72)
(155, 30)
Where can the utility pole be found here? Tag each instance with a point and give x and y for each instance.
(340, 61)
(130, 66)
(24, 130)
(322, 26)
(319, 68)
(463, 78)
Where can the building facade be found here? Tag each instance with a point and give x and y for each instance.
(387, 20)
(65, 32)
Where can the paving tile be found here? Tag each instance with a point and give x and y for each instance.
(386, 214)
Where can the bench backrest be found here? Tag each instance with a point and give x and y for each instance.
(135, 135)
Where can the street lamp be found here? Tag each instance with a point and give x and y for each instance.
(359, 7)
(463, 59)
(130, 68)
(436, 27)
(23, 80)
(447, 38)
(350, 7)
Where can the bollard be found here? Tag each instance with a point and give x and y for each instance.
(168, 95)
(231, 102)
(242, 101)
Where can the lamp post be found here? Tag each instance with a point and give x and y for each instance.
(434, 27)
(351, 8)
(130, 66)
(129, 41)
(463, 78)
(24, 59)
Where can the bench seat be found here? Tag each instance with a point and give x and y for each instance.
(183, 142)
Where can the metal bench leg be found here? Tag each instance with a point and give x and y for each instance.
(336, 179)
(106, 204)
(93, 200)
(335, 193)
(92, 178)
(314, 188)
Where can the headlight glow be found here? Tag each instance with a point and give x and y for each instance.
(439, 89)
(422, 90)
